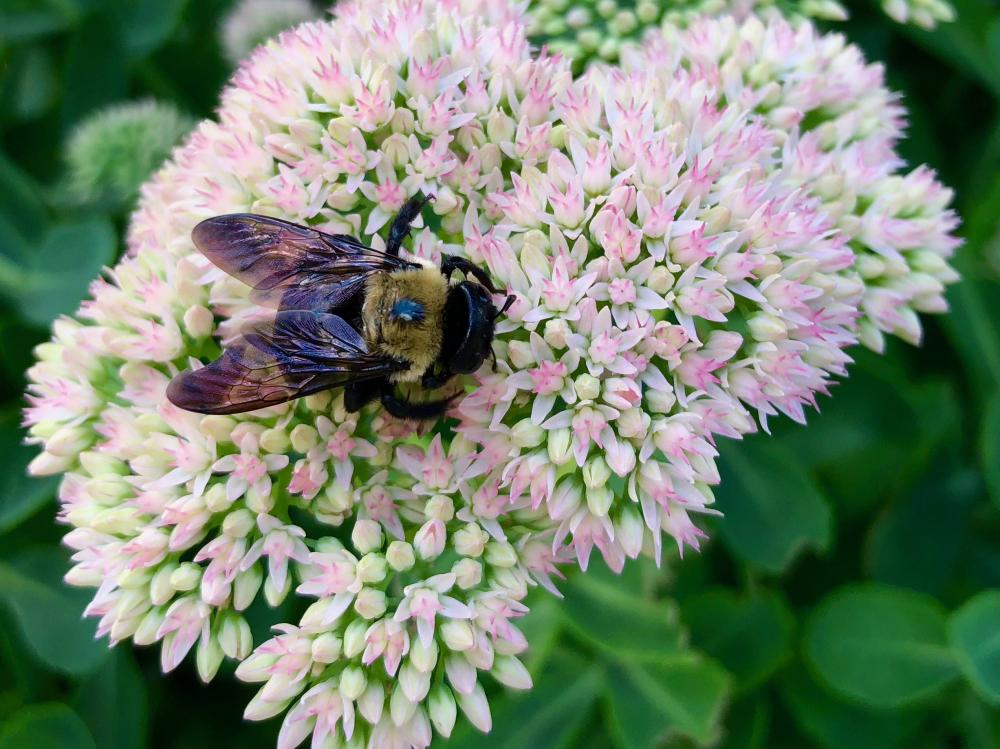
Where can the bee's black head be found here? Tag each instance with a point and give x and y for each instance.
(469, 322)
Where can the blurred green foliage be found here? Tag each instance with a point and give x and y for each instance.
(849, 598)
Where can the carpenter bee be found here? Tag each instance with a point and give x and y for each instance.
(348, 315)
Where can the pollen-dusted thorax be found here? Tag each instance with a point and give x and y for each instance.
(403, 317)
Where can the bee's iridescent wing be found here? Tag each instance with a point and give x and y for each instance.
(295, 354)
(290, 266)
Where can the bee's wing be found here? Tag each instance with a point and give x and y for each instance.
(290, 266)
(295, 354)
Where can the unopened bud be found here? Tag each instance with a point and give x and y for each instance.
(440, 507)
(245, 587)
(235, 638)
(457, 634)
(198, 321)
(366, 535)
(442, 710)
(468, 573)
(596, 472)
(208, 658)
(587, 387)
(500, 554)
(186, 577)
(371, 568)
(526, 434)
(304, 438)
(599, 500)
(326, 648)
(400, 556)
(370, 603)
(470, 540)
(659, 401)
(275, 441)
(766, 327)
(352, 682)
(238, 524)
(423, 658)
(354, 638)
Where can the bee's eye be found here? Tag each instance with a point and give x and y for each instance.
(407, 310)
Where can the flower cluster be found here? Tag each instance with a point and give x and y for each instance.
(586, 30)
(690, 250)
(116, 149)
(843, 125)
(252, 22)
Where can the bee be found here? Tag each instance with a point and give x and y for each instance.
(347, 316)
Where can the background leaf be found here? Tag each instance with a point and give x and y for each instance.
(112, 703)
(773, 509)
(750, 635)
(836, 724)
(880, 645)
(51, 726)
(974, 633)
(48, 612)
(991, 447)
(58, 274)
(916, 543)
(682, 695)
(593, 607)
(20, 495)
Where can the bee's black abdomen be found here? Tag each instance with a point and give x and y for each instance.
(468, 328)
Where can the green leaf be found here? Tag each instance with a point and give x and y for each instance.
(148, 24)
(49, 726)
(883, 646)
(917, 541)
(541, 627)
(990, 447)
(23, 216)
(20, 495)
(30, 87)
(772, 509)
(974, 634)
(837, 724)
(971, 323)
(978, 723)
(545, 717)
(962, 43)
(684, 695)
(747, 724)
(29, 19)
(113, 703)
(751, 636)
(94, 73)
(59, 273)
(20, 677)
(619, 621)
(49, 613)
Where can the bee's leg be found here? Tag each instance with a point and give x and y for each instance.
(404, 409)
(357, 395)
(452, 263)
(432, 380)
(401, 224)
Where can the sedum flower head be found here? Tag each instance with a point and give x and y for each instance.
(587, 30)
(685, 267)
(112, 152)
(843, 125)
(252, 22)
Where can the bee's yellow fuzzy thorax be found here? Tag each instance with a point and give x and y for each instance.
(418, 341)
